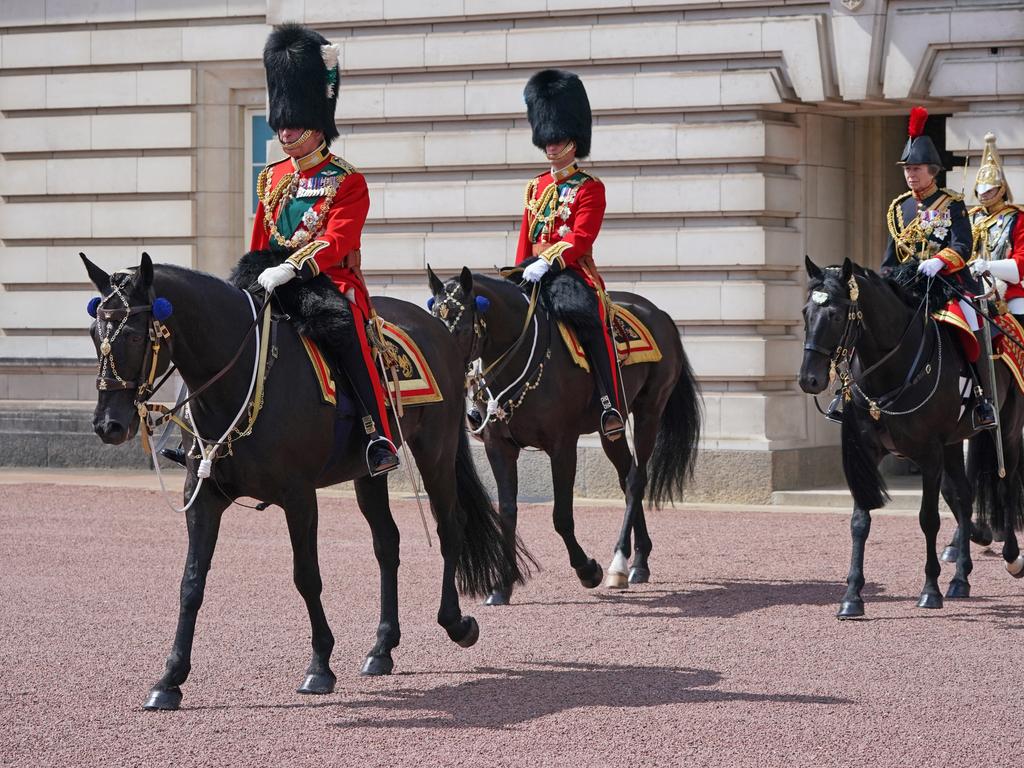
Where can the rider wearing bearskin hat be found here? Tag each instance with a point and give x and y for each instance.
(312, 207)
(929, 226)
(564, 208)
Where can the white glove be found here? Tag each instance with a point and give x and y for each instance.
(931, 267)
(1004, 269)
(274, 277)
(979, 267)
(536, 271)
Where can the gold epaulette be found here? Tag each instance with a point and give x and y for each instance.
(343, 165)
(957, 197)
(587, 176)
(890, 217)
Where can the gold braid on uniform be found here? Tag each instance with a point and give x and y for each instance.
(282, 194)
(900, 234)
(537, 207)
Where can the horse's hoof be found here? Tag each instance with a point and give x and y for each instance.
(1016, 568)
(958, 590)
(377, 666)
(468, 640)
(850, 609)
(615, 580)
(318, 685)
(590, 575)
(498, 597)
(930, 600)
(950, 554)
(639, 575)
(163, 698)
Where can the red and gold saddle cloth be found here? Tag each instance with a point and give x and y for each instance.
(416, 381)
(633, 342)
(1006, 350)
(954, 316)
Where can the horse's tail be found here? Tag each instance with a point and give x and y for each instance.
(489, 558)
(675, 448)
(994, 496)
(860, 467)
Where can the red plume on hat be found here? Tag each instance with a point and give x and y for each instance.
(918, 117)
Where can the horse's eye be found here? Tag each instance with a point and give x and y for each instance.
(135, 338)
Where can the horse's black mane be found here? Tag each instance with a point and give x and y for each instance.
(904, 282)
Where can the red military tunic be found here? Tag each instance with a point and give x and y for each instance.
(561, 221)
(334, 248)
(323, 221)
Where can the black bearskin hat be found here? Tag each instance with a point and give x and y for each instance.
(919, 149)
(302, 80)
(558, 109)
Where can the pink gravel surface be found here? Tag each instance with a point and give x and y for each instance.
(730, 657)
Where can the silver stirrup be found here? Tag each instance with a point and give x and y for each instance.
(394, 450)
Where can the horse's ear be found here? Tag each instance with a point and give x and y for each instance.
(145, 271)
(847, 269)
(466, 281)
(99, 278)
(436, 286)
(813, 270)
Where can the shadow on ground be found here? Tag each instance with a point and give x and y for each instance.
(501, 698)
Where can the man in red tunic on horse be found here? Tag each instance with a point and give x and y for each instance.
(313, 205)
(564, 208)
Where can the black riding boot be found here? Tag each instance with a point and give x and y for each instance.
(984, 414)
(381, 455)
(612, 425)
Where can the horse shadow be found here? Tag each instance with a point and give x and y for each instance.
(730, 598)
(504, 698)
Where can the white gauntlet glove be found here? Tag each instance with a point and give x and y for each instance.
(1004, 269)
(274, 277)
(536, 271)
(931, 267)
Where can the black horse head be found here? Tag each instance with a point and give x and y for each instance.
(826, 318)
(125, 313)
(455, 304)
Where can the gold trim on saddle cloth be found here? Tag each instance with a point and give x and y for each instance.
(638, 346)
(1007, 351)
(415, 379)
(945, 316)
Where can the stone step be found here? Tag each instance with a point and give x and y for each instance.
(904, 491)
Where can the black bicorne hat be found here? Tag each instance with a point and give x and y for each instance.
(919, 149)
(558, 109)
(302, 80)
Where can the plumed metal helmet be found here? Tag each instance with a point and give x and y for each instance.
(919, 149)
(990, 173)
(558, 109)
(302, 80)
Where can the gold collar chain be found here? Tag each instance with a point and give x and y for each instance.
(284, 194)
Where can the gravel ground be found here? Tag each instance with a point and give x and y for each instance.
(730, 657)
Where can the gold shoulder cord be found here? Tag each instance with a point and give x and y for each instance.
(537, 207)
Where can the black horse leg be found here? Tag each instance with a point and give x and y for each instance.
(203, 522)
(646, 425)
(1011, 549)
(633, 481)
(503, 456)
(301, 513)
(439, 483)
(956, 490)
(372, 496)
(931, 477)
(860, 526)
(563, 476)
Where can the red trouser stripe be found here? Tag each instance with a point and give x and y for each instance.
(383, 425)
(611, 355)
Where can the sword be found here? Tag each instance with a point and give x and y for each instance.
(990, 362)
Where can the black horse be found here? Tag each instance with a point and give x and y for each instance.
(292, 450)
(549, 402)
(905, 399)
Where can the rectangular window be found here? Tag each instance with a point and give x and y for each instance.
(257, 135)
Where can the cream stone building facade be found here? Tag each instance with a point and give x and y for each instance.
(733, 136)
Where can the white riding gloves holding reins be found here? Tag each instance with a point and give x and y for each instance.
(274, 277)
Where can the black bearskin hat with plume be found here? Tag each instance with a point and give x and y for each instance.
(302, 80)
